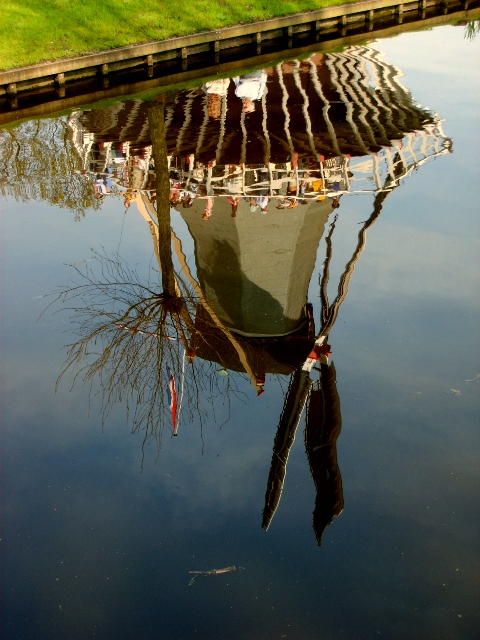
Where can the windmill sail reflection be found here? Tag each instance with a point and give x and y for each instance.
(255, 166)
(323, 425)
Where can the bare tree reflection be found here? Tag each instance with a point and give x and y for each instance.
(130, 332)
(121, 325)
(130, 337)
(156, 120)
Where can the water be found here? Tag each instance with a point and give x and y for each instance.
(105, 513)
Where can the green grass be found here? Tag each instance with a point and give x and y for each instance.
(34, 31)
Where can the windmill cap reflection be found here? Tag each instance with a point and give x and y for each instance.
(349, 103)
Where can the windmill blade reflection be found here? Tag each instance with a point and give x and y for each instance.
(295, 400)
(324, 422)
(323, 414)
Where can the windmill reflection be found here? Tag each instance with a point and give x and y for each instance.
(256, 167)
(323, 419)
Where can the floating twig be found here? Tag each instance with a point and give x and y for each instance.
(212, 572)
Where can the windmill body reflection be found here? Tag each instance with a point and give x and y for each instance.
(256, 166)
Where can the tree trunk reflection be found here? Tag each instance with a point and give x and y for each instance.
(156, 121)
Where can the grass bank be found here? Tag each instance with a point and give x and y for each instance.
(34, 31)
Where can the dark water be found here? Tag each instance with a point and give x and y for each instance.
(105, 513)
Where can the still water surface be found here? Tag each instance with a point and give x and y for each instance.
(324, 181)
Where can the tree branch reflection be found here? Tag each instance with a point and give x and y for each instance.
(130, 332)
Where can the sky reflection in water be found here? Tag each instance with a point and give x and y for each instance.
(100, 529)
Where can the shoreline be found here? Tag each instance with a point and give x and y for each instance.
(160, 63)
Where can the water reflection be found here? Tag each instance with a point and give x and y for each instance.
(333, 122)
(257, 166)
